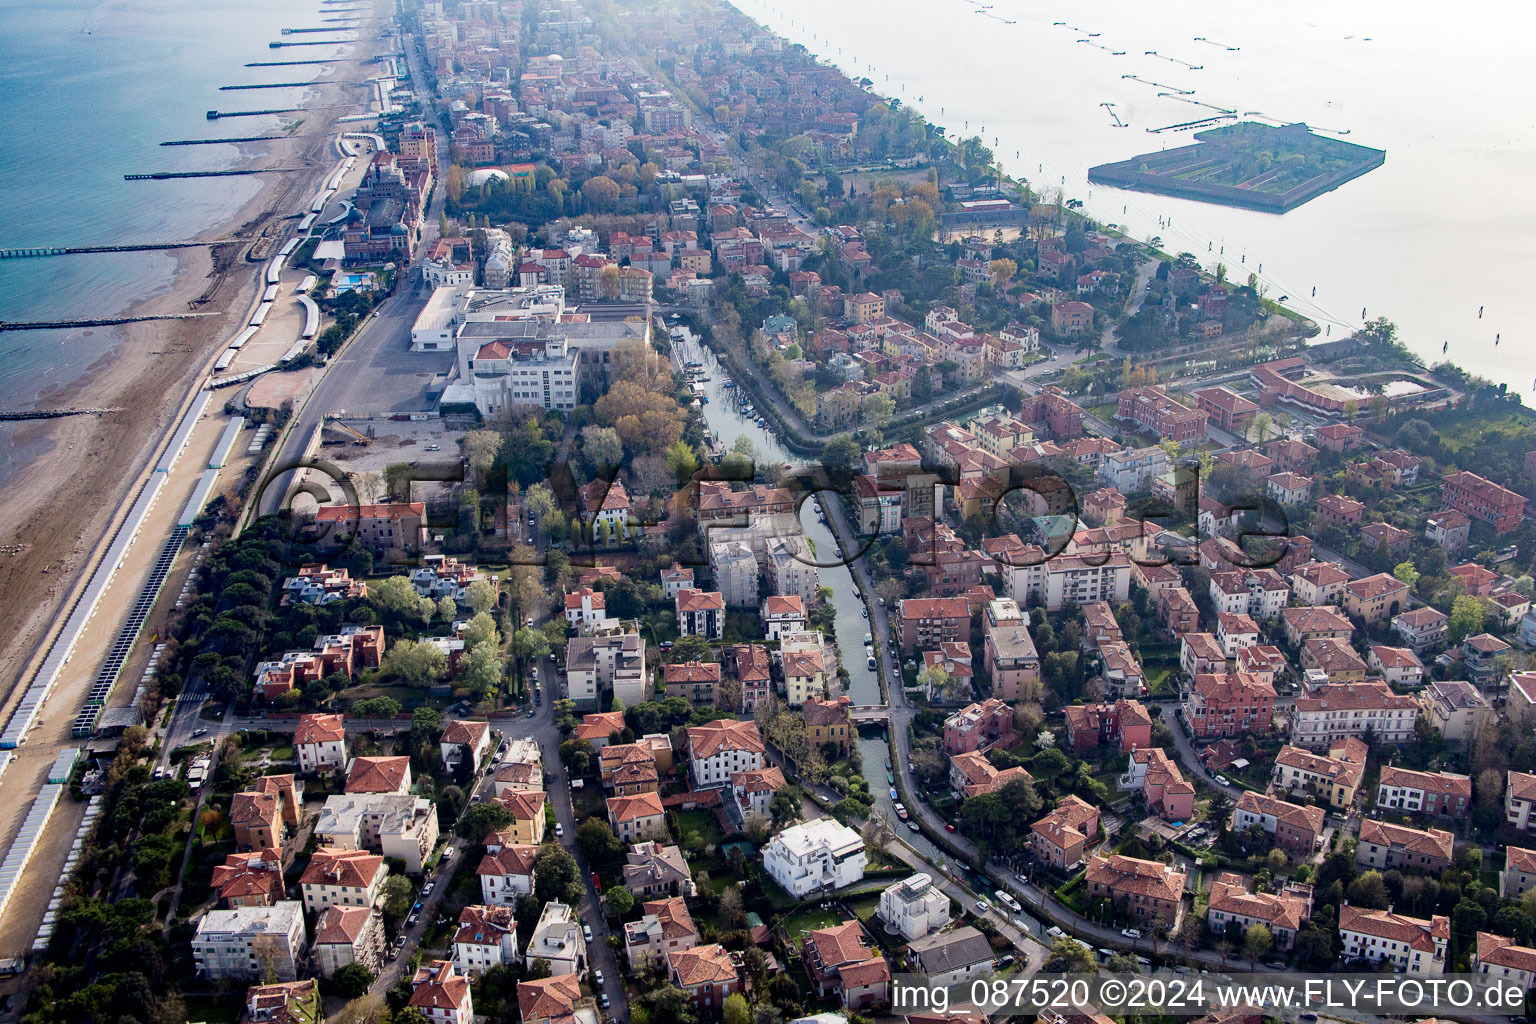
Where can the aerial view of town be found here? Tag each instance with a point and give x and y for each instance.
(609, 518)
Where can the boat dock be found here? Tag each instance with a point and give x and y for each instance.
(314, 42)
(285, 63)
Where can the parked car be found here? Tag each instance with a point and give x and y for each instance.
(1131, 933)
(586, 931)
(982, 906)
(559, 830)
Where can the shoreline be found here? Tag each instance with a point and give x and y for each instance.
(93, 463)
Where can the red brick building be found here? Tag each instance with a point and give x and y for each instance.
(930, 621)
(1485, 500)
(1227, 409)
(1152, 409)
(1223, 704)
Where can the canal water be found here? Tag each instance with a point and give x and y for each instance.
(723, 415)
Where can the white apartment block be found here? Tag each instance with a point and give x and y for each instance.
(914, 907)
(249, 943)
(819, 854)
(1351, 709)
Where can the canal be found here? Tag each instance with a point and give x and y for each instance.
(724, 417)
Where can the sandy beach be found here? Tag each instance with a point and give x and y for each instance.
(59, 507)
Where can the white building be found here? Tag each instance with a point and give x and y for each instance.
(791, 568)
(612, 659)
(1410, 944)
(506, 870)
(487, 937)
(250, 942)
(819, 854)
(1132, 470)
(389, 824)
(349, 935)
(1350, 709)
(320, 743)
(914, 908)
(464, 739)
(558, 941)
(342, 878)
(718, 750)
(735, 570)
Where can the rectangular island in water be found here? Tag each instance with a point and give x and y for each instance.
(1247, 164)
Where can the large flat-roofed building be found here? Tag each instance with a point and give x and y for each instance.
(249, 943)
(821, 854)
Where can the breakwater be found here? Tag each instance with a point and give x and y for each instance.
(214, 115)
(53, 414)
(108, 321)
(268, 85)
(216, 142)
(313, 42)
(232, 173)
(28, 252)
(285, 63)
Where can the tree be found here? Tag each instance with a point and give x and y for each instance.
(691, 648)
(602, 446)
(620, 901)
(878, 409)
(1001, 271)
(480, 629)
(1406, 572)
(397, 595)
(1466, 617)
(529, 643)
(736, 1010)
(364, 1010)
(1262, 424)
(597, 840)
(415, 664)
(840, 452)
(481, 447)
(1258, 940)
(376, 707)
(1067, 957)
(481, 819)
(557, 876)
(351, 981)
(480, 596)
(481, 669)
(398, 893)
(1369, 890)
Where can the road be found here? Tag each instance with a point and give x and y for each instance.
(376, 373)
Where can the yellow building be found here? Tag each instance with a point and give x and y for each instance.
(528, 820)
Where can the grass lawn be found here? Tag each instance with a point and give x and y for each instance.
(283, 753)
(702, 822)
(809, 919)
(1160, 679)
